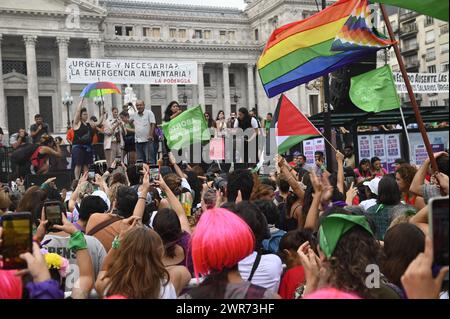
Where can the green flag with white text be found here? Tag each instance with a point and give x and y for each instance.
(187, 128)
(375, 91)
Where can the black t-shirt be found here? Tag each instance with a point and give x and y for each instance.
(43, 131)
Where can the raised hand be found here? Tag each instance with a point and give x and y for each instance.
(37, 266)
(67, 226)
(418, 280)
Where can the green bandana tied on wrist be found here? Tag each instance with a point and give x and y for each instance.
(77, 241)
(334, 226)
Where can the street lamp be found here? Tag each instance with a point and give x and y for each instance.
(67, 100)
(98, 100)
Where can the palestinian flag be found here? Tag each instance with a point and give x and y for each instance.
(291, 125)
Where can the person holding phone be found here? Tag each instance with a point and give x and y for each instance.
(82, 152)
(40, 157)
(113, 142)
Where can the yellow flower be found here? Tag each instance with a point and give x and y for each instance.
(53, 260)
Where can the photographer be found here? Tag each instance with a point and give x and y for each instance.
(20, 138)
(113, 143)
(38, 129)
(40, 158)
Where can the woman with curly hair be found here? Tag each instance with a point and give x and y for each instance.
(134, 269)
(348, 251)
(404, 176)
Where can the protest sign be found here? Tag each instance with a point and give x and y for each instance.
(364, 147)
(423, 82)
(131, 71)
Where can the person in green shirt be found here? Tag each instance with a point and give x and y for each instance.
(267, 122)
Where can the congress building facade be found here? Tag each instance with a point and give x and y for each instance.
(36, 38)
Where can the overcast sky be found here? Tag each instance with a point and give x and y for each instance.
(215, 3)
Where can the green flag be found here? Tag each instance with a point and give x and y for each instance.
(432, 8)
(375, 91)
(187, 128)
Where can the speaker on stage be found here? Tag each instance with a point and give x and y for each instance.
(340, 83)
(63, 179)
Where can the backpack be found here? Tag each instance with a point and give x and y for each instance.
(23, 154)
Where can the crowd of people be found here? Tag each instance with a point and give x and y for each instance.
(189, 233)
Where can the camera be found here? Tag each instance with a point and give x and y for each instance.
(220, 184)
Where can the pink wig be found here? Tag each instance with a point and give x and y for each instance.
(220, 240)
(330, 293)
(10, 285)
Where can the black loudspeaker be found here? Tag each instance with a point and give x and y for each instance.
(63, 179)
(340, 83)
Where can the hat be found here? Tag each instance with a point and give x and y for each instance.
(373, 185)
(334, 226)
(103, 196)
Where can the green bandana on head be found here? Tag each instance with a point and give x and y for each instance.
(334, 226)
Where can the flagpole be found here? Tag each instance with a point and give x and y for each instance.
(410, 92)
(405, 128)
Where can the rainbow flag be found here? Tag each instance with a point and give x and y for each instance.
(302, 51)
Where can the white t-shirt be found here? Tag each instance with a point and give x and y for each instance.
(142, 125)
(254, 123)
(268, 273)
(366, 204)
(59, 245)
(168, 292)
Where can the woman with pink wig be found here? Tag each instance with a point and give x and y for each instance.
(221, 239)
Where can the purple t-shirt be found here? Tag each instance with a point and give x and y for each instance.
(185, 243)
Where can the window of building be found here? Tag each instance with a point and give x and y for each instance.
(118, 30)
(444, 67)
(207, 34)
(14, 66)
(207, 80)
(431, 54)
(432, 69)
(429, 36)
(434, 102)
(409, 60)
(410, 44)
(198, 34)
(146, 32)
(233, 108)
(129, 31)
(154, 85)
(313, 104)
(46, 110)
(44, 69)
(444, 29)
(256, 35)
(172, 33)
(428, 21)
(409, 27)
(446, 102)
(223, 35)
(232, 80)
(231, 35)
(156, 32)
(182, 33)
(444, 48)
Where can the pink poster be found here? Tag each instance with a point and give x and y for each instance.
(308, 151)
(216, 149)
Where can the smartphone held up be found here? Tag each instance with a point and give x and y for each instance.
(17, 239)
